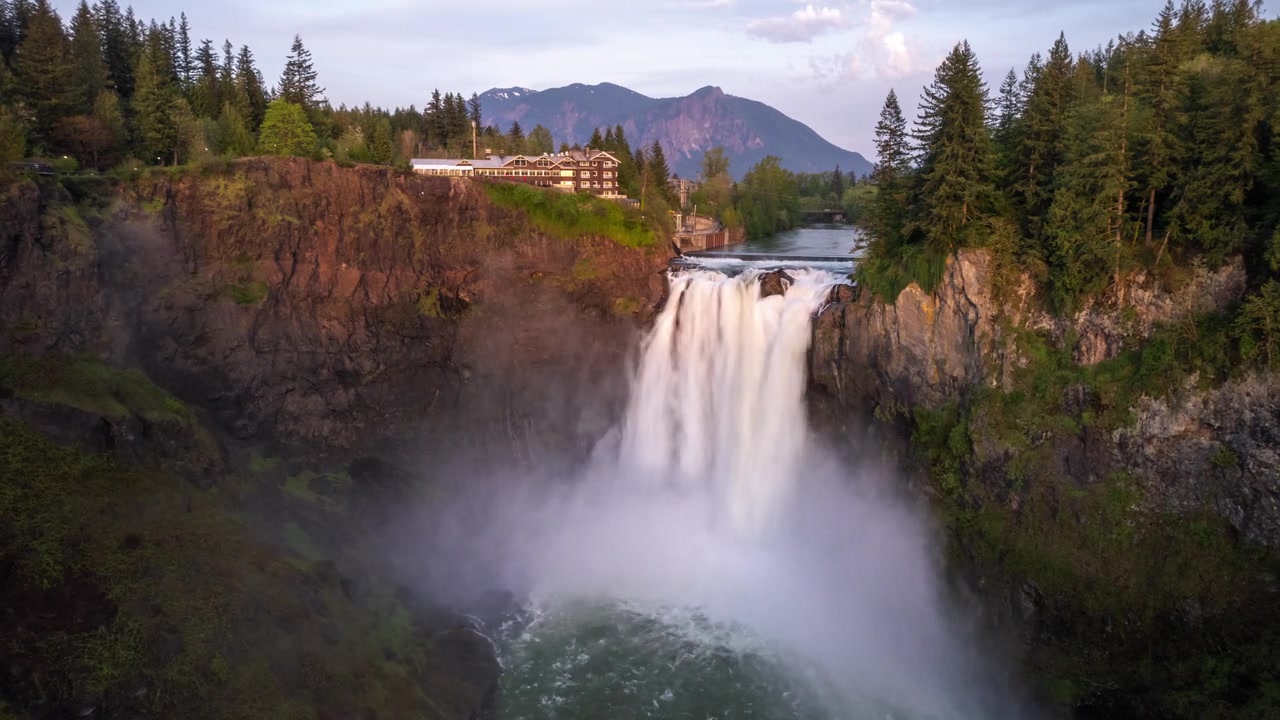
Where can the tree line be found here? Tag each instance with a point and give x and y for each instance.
(1152, 151)
(108, 88)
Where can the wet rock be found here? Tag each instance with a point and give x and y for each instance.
(775, 283)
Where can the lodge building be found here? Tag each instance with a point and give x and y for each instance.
(587, 171)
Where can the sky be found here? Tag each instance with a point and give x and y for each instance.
(826, 64)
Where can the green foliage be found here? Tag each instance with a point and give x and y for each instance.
(286, 130)
(251, 292)
(1258, 325)
(573, 215)
(86, 383)
(768, 198)
(13, 136)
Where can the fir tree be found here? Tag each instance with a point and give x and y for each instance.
(298, 81)
(956, 190)
(42, 69)
(1042, 140)
(13, 136)
(837, 183)
(88, 71)
(659, 172)
(250, 89)
(597, 140)
(380, 147)
(207, 95)
(886, 218)
(117, 46)
(154, 104)
(473, 111)
(183, 56)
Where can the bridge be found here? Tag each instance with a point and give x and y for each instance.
(824, 216)
(695, 257)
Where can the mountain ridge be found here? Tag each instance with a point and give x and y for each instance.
(686, 126)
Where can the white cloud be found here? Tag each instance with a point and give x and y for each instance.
(881, 48)
(800, 26)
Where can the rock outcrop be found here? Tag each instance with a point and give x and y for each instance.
(316, 304)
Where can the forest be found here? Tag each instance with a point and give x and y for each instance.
(1154, 153)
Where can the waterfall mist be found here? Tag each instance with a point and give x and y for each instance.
(712, 507)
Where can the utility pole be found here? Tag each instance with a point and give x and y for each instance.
(473, 140)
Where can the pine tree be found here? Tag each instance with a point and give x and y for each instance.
(117, 46)
(88, 71)
(9, 35)
(956, 190)
(1042, 136)
(659, 171)
(207, 95)
(473, 111)
(837, 183)
(597, 140)
(298, 81)
(380, 147)
(515, 138)
(182, 56)
(250, 95)
(154, 105)
(106, 110)
(42, 69)
(1157, 168)
(886, 219)
(227, 72)
(286, 130)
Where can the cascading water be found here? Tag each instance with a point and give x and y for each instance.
(718, 403)
(714, 561)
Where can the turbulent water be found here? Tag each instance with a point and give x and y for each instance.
(714, 561)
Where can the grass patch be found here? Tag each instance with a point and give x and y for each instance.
(247, 293)
(88, 384)
(572, 215)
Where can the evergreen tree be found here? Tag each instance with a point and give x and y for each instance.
(10, 34)
(227, 73)
(154, 104)
(1158, 92)
(473, 111)
(956, 190)
(597, 140)
(88, 71)
(250, 89)
(515, 138)
(234, 137)
(659, 172)
(380, 147)
(42, 69)
(298, 81)
(886, 219)
(286, 130)
(1042, 140)
(1009, 109)
(607, 142)
(837, 183)
(118, 47)
(207, 95)
(183, 56)
(540, 140)
(106, 110)
(13, 136)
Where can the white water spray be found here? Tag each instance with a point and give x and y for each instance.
(712, 509)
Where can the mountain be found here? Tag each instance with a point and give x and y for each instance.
(686, 126)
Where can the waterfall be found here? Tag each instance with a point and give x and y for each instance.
(717, 403)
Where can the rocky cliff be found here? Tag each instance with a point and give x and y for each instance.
(1108, 480)
(216, 384)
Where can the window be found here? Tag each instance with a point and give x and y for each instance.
(544, 163)
(520, 162)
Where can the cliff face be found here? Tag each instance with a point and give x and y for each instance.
(205, 544)
(1106, 484)
(312, 303)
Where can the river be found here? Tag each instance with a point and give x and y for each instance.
(808, 240)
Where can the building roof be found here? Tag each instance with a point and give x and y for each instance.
(497, 161)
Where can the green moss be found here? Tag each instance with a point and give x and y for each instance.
(627, 305)
(247, 293)
(1224, 457)
(573, 215)
(429, 304)
(585, 269)
(153, 206)
(88, 384)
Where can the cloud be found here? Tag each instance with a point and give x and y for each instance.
(800, 26)
(881, 48)
(709, 4)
